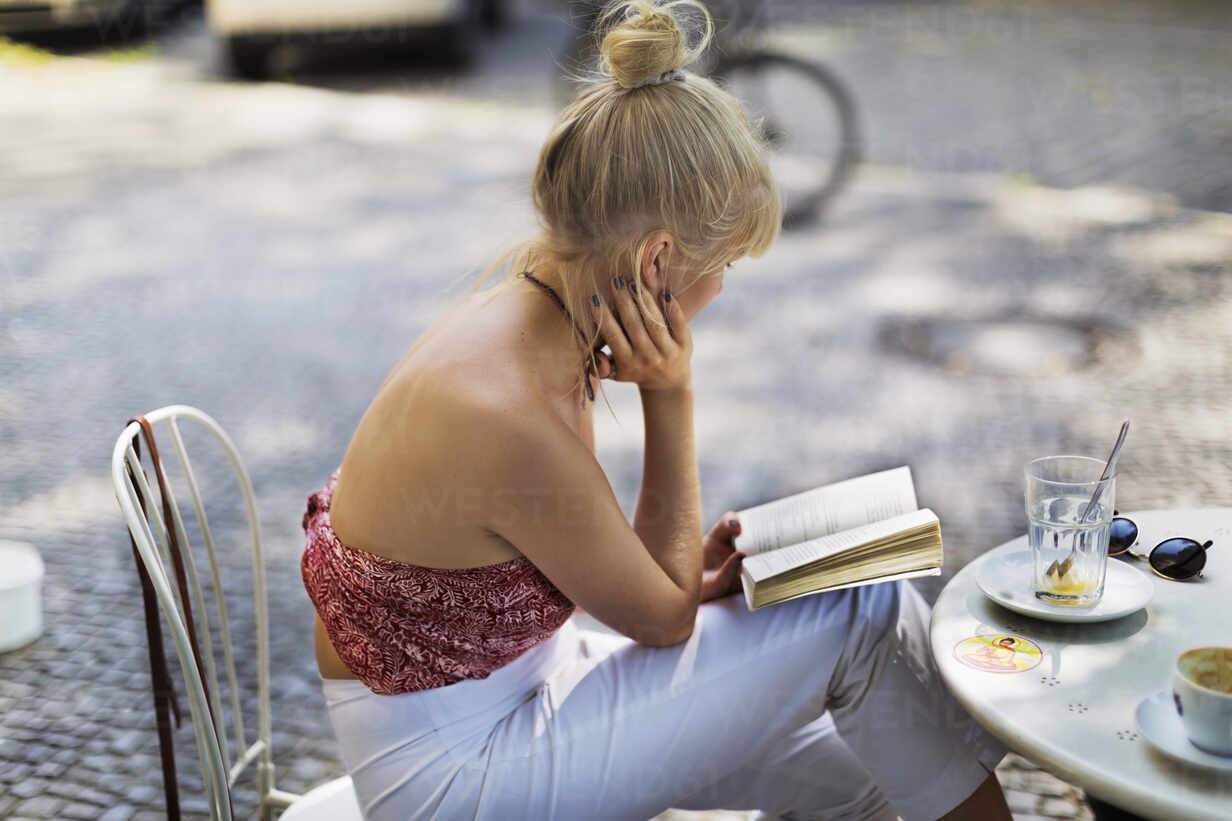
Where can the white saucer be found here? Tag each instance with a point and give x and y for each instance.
(1005, 577)
(1159, 723)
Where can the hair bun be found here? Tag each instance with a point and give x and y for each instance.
(648, 40)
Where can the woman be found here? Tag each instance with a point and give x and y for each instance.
(469, 518)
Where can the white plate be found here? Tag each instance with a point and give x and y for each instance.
(1159, 723)
(1005, 577)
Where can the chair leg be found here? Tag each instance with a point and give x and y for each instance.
(265, 778)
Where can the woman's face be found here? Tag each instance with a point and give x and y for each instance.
(699, 293)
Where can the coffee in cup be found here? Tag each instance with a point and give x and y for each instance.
(1202, 690)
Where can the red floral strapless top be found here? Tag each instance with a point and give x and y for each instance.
(401, 627)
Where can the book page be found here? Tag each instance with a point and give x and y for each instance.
(825, 510)
(747, 585)
(771, 563)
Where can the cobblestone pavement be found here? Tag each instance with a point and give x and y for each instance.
(267, 252)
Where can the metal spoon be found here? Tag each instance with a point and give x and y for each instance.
(1061, 568)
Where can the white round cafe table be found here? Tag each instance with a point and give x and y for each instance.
(1073, 714)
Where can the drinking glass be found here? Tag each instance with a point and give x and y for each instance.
(1059, 490)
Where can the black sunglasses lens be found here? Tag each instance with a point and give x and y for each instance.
(1121, 536)
(1178, 558)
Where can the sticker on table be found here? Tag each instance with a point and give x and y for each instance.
(999, 653)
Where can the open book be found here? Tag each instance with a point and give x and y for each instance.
(859, 531)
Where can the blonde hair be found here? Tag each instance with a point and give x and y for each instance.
(626, 159)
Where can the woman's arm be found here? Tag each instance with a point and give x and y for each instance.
(668, 516)
(543, 491)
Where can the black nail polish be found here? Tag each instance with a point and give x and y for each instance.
(667, 295)
(620, 283)
(595, 299)
(633, 288)
(733, 523)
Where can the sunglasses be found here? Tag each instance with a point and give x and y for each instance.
(1178, 559)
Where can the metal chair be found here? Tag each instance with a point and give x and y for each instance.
(334, 800)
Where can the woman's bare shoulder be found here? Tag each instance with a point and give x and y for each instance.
(449, 417)
(486, 413)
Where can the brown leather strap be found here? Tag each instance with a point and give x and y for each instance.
(158, 661)
(164, 691)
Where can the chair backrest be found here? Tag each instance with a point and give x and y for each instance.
(149, 531)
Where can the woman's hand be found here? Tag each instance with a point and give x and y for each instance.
(720, 559)
(651, 345)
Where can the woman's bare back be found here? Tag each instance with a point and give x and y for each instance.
(402, 492)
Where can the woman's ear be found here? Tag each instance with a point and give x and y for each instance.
(651, 276)
(654, 260)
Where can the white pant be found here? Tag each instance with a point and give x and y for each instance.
(827, 706)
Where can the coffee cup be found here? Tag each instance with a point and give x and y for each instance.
(1202, 691)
